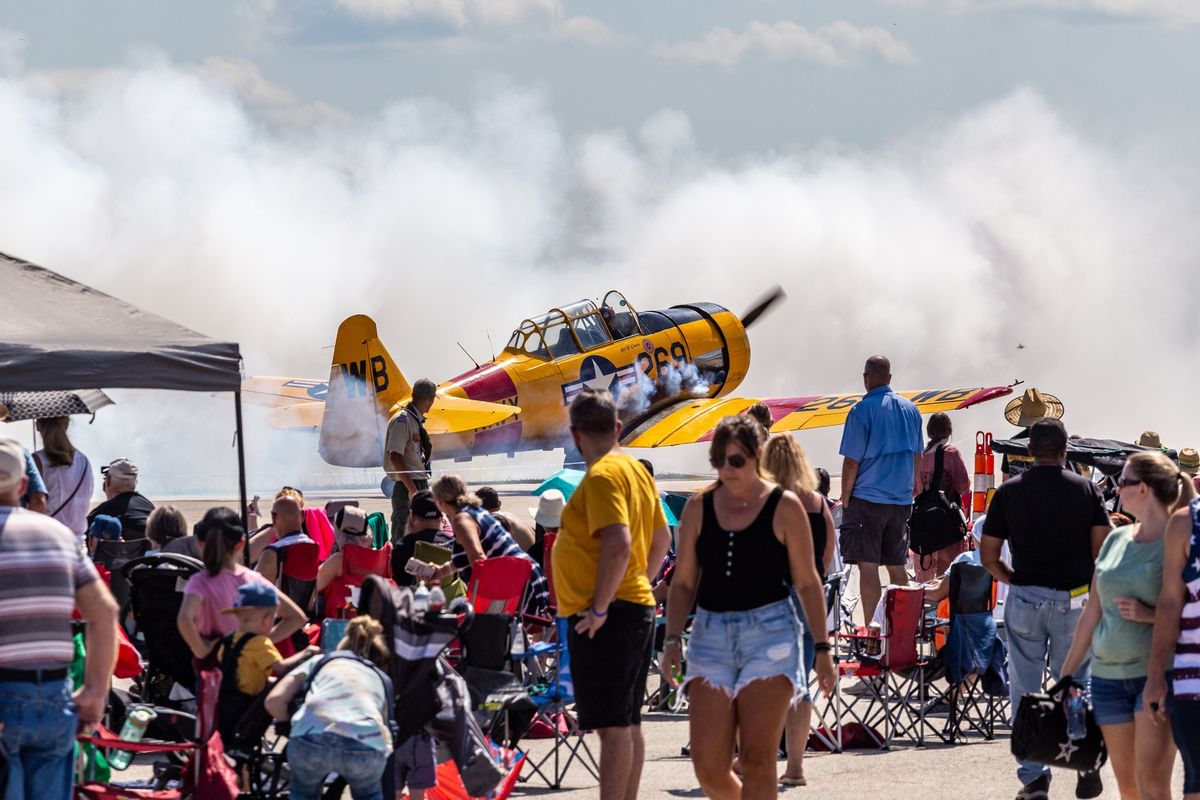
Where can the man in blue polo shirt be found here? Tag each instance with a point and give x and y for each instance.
(881, 450)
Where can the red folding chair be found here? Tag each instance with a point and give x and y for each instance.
(498, 584)
(895, 682)
(298, 565)
(358, 563)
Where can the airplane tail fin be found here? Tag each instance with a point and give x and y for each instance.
(364, 384)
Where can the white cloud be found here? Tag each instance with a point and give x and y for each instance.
(945, 250)
(269, 100)
(545, 18)
(837, 44)
(1171, 11)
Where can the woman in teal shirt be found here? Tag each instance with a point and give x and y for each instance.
(1118, 623)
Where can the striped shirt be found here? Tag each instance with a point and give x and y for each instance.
(496, 542)
(41, 568)
(1187, 647)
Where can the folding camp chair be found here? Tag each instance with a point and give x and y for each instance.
(895, 683)
(298, 565)
(826, 715)
(358, 563)
(973, 656)
(498, 584)
(552, 714)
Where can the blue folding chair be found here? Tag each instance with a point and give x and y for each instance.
(552, 702)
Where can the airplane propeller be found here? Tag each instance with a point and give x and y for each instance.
(760, 308)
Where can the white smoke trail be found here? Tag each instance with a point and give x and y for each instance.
(945, 250)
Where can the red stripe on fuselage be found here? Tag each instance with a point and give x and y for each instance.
(491, 383)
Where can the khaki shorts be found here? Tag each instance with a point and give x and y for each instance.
(875, 533)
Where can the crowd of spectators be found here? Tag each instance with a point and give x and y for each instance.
(1115, 612)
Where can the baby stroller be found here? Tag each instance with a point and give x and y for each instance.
(431, 695)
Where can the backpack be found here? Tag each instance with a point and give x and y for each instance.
(936, 520)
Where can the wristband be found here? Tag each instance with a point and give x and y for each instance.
(673, 640)
(822, 647)
(596, 613)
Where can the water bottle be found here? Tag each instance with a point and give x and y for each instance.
(136, 722)
(421, 598)
(437, 599)
(1076, 714)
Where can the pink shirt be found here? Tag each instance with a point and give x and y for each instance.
(216, 593)
(955, 479)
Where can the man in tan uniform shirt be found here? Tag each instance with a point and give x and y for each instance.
(408, 453)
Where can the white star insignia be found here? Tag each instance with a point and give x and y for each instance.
(1065, 750)
(1196, 565)
(600, 382)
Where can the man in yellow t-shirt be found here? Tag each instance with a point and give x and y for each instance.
(612, 541)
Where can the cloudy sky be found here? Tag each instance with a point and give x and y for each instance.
(759, 75)
(941, 180)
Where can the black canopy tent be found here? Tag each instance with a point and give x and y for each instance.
(56, 333)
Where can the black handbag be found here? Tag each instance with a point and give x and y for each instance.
(936, 521)
(1040, 733)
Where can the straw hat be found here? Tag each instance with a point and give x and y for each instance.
(1189, 460)
(1031, 407)
(549, 509)
(1150, 439)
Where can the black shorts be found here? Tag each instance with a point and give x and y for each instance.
(875, 533)
(1185, 726)
(609, 671)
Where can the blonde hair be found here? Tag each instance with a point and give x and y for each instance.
(55, 442)
(452, 490)
(364, 638)
(295, 494)
(785, 459)
(1170, 486)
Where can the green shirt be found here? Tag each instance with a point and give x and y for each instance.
(1124, 568)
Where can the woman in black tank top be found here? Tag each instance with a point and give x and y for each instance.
(743, 546)
(785, 459)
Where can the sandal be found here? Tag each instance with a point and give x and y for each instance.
(788, 780)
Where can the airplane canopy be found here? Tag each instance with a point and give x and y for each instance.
(575, 328)
(56, 333)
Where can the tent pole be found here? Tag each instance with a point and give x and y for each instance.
(241, 456)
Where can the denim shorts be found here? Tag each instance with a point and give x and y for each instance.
(731, 649)
(810, 652)
(1114, 700)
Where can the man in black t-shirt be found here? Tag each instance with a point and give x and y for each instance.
(424, 525)
(123, 500)
(1054, 522)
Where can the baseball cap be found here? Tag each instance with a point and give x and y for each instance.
(105, 527)
(255, 594)
(354, 521)
(423, 506)
(12, 464)
(120, 468)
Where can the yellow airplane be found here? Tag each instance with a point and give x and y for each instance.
(671, 371)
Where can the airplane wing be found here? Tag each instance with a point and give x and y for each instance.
(452, 414)
(299, 404)
(690, 421)
(295, 403)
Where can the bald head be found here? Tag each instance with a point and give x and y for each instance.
(286, 515)
(877, 372)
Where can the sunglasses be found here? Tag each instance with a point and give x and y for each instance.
(737, 460)
(1122, 482)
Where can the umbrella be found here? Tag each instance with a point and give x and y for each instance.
(567, 480)
(40, 405)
